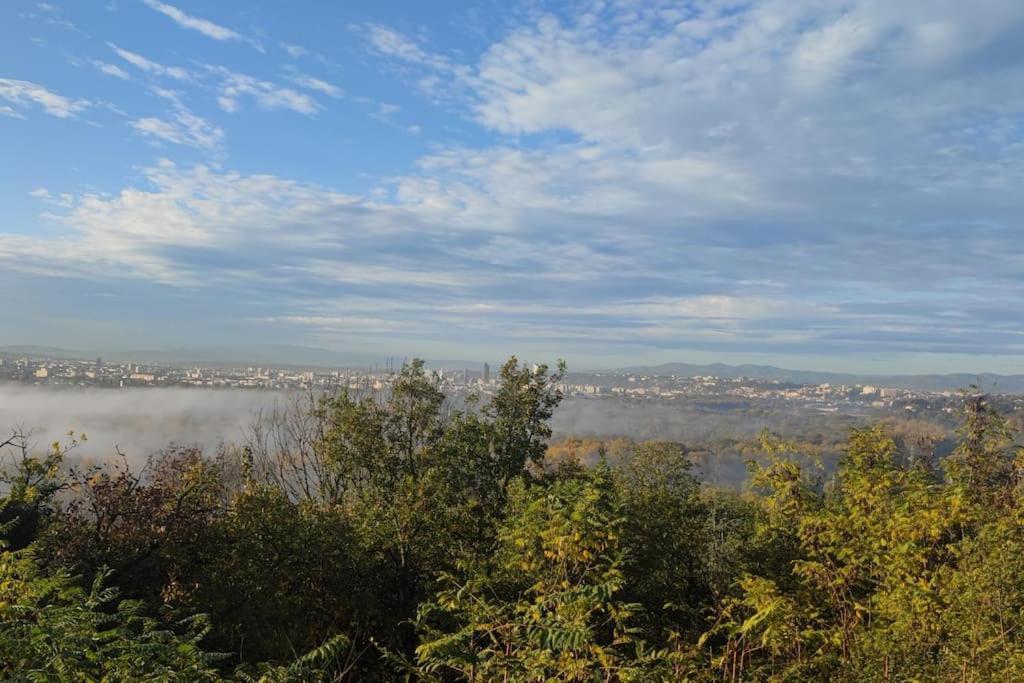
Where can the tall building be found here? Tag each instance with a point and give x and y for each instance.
(487, 373)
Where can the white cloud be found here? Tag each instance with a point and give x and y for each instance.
(779, 103)
(669, 76)
(51, 15)
(312, 83)
(391, 43)
(167, 94)
(339, 323)
(182, 128)
(446, 75)
(204, 26)
(201, 208)
(25, 93)
(307, 228)
(148, 65)
(267, 95)
(820, 56)
(299, 52)
(785, 173)
(294, 51)
(64, 200)
(716, 307)
(110, 69)
(501, 253)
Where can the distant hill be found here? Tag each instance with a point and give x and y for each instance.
(1012, 384)
(251, 354)
(42, 352)
(283, 355)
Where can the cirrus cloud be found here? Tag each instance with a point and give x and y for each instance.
(781, 175)
(23, 94)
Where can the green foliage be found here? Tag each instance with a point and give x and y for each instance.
(145, 528)
(519, 414)
(391, 536)
(30, 480)
(895, 575)
(986, 463)
(549, 606)
(983, 599)
(276, 577)
(53, 629)
(331, 661)
(666, 537)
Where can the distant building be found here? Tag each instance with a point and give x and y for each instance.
(487, 373)
(42, 373)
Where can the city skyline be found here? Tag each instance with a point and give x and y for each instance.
(632, 383)
(64, 368)
(802, 184)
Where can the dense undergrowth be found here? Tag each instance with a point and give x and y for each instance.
(394, 538)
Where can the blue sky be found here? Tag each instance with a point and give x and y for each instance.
(830, 185)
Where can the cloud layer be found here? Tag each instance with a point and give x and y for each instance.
(24, 94)
(203, 26)
(783, 176)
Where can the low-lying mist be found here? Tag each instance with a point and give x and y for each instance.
(138, 421)
(589, 417)
(142, 421)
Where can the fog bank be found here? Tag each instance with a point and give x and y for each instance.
(139, 421)
(143, 420)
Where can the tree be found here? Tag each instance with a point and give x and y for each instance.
(147, 528)
(548, 606)
(664, 533)
(985, 463)
(520, 413)
(53, 629)
(30, 481)
(278, 577)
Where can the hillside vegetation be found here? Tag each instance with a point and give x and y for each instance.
(395, 538)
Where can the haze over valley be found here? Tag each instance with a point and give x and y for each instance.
(467, 341)
(136, 410)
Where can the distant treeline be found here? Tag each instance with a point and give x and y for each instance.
(400, 538)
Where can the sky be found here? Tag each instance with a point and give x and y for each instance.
(812, 184)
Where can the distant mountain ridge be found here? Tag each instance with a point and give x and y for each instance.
(1013, 384)
(252, 354)
(310, 357)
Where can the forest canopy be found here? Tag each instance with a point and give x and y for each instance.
(396, 537)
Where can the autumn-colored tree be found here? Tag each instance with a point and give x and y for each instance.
(372, 537)
(549, 605)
